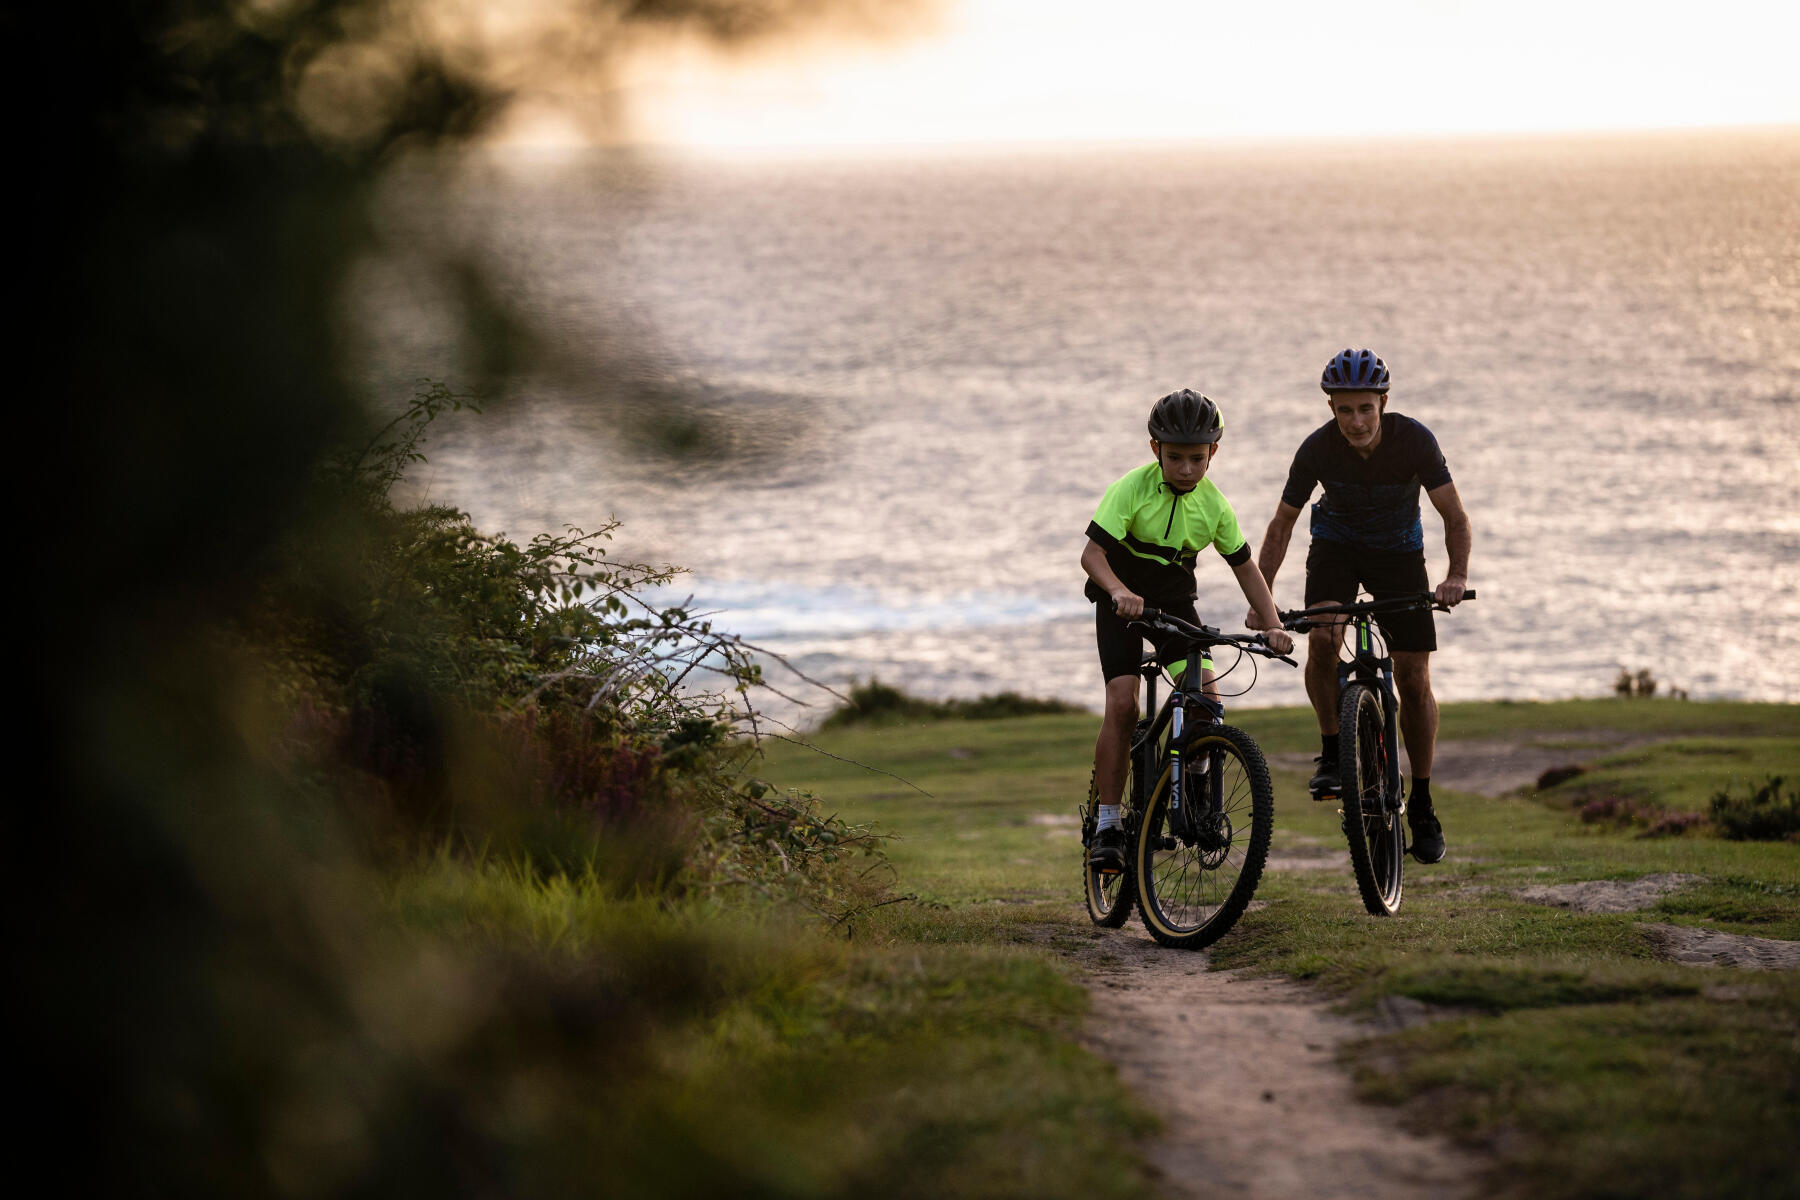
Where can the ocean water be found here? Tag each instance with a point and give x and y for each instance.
(917, 375)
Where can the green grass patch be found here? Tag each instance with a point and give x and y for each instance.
(1682, 1097)
(1587, 1066)
(1683, 774)
(742, 1049)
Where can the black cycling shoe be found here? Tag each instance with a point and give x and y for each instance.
(1107, 853)
(1427, 836)
(1324, 784)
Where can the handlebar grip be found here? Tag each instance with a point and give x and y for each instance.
(1469, 595)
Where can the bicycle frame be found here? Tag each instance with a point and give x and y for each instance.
(1173, 716)
(1377, 671)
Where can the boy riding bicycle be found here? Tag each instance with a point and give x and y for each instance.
(1142, 543)
(1366, 532)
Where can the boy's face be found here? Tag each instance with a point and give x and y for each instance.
(1359, 417)
(1183, 464)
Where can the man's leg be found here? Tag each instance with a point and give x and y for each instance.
(1331, 578)
(1419, 726)
(1322, 645)
(1418, 708)
(1321, 673)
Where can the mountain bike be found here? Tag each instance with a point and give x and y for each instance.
(1373, 796)
(1199, 807)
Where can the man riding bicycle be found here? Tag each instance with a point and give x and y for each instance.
(1366, 532)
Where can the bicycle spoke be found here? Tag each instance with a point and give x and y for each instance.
(1195, 884)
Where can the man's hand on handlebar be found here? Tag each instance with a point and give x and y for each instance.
(1127, 603)
(1450, 592)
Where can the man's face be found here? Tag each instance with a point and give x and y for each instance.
(1183, 464)
(1359, 417)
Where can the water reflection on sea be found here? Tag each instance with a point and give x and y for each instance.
(927, 372)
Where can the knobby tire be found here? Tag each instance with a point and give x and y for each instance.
(1109, 897)
(1376, 835)
(1190, 892)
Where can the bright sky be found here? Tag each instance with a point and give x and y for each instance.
(1059, 70)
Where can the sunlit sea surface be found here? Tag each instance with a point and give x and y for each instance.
(918, 375)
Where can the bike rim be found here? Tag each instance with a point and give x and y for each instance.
(1381, 830)
(1105, 892)
(1189, 884)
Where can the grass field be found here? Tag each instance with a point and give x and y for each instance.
(1562, 1044)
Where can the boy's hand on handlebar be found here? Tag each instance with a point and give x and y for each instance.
(1279, 642)
(1253, 620)
(1450, 592)
(1127, 603)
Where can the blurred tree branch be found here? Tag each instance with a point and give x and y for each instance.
(195, 179)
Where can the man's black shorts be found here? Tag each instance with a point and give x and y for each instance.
(1122, 648)
(1335, 570)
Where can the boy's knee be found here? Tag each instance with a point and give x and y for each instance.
(1121, 698)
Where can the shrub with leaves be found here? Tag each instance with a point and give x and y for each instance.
(876, 702)
(456, 683)
(1767, 812)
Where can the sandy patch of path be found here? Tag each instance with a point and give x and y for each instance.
(1712, 948)
(1496, 766)
(1244, 1073)
(1607, 895)
(1683, 944)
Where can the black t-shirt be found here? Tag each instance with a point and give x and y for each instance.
(1371, 503)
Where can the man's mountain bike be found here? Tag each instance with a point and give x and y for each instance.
(1199, 807)
(1373, 797)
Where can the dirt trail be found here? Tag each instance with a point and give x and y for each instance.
(1243, 1071)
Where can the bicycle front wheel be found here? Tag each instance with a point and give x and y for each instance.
(1198, 865)
(1375, 830)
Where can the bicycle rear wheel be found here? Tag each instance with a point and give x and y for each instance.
(1375, 830)
(1196, 873)
(1108, 897)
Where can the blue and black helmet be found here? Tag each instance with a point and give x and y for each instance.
(1354, 371)
(1186, 417)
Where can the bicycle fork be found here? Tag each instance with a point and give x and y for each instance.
(1194, 787)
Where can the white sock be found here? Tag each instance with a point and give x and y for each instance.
(1109, 817)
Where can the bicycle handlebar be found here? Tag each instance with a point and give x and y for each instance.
(1303, 619)
(1206, 635)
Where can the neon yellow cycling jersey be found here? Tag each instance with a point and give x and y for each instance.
(1152, 534)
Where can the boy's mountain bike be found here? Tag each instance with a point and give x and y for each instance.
(1373, 797)
(1199, 807)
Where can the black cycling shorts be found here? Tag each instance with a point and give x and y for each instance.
(1122, 648)
(1334, 571)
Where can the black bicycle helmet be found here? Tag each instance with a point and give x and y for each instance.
(1354, 371)
(1186, 417)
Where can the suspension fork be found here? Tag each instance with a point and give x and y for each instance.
(1377, 672)
(1194, 784)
